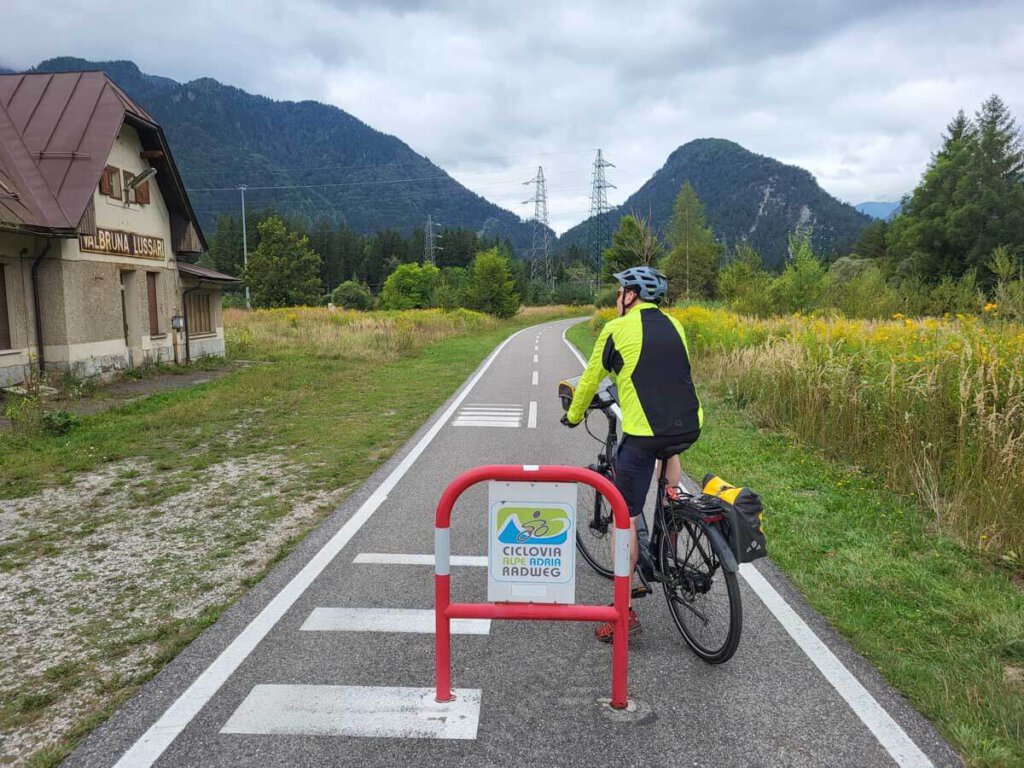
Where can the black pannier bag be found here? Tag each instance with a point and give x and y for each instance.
(742, 517)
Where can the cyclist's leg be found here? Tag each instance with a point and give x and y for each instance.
(634, 468)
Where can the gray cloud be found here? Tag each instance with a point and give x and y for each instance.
(857, 93)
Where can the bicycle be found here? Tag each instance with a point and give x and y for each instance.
(687, 553)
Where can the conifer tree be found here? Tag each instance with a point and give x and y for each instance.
(691, 264)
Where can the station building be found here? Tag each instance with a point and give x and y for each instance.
(96, 231)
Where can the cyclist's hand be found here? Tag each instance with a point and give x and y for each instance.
(566, 423)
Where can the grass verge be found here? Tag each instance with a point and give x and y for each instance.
(943, 625)
(122, 540)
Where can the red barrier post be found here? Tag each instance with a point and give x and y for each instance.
(445, 610)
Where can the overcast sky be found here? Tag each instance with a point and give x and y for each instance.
(856, 92)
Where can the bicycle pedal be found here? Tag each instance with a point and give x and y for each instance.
(642, 590)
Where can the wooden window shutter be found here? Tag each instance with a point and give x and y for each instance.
(105, 182)
(142, 193)
(5, 322)
(154, 315)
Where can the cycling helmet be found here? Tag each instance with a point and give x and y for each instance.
(647, 281)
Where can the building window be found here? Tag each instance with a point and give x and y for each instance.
(110, 182)
(129, 193)
(154, 315)
(200, 319)
(5, 319)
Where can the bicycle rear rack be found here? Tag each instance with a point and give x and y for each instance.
(445, 610)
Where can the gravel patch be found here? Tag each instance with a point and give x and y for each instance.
(97, 578)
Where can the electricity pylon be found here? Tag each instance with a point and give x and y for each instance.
(540, 257)
(429, 248)
(598, 209)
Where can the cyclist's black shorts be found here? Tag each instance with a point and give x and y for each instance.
(634, 465)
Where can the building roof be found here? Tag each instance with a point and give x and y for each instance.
(204, 274)
(56, 132)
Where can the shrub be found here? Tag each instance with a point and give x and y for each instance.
(352, 295)
(411, 286)
(606, 296)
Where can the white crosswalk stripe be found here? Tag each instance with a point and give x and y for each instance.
(387, 558)
(411, 620)
(356, 710)
(489, 415)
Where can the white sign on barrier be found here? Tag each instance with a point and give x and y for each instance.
(531, 544)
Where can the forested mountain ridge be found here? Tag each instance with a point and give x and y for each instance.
(330, 163)
(748, 198)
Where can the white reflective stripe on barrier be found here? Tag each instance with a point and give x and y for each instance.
(442, 551)
(530, 467)
(622, 539)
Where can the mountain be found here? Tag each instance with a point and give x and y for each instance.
(324, 161)
(748, 197)
(884, 211)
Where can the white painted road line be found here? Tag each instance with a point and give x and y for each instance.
(888, 732)
(535, 378)
(382, 558)
(354, 710)
(532, 421)
(535, 358)
(144, 752)
(412, 620)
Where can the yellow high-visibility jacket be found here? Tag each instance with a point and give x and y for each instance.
(646, 352)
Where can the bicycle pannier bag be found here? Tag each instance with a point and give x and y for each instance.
(743, 512)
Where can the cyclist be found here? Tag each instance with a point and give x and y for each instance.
(645, 350)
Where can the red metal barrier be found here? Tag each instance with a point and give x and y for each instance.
(445, 610)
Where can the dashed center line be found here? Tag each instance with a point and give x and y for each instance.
(535, 378)
(532, 421)
(535, 358)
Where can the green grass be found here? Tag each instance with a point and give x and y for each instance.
(940, 623)
(334, 421)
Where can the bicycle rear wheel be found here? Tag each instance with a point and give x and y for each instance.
(703, 597)
(595, 528)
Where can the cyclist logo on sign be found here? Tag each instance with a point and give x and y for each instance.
(536, 526)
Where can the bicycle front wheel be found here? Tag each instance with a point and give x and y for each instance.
(703, 597)
(595, 528)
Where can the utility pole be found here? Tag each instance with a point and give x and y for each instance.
(245, 248)
(540, 258)
(598, 209)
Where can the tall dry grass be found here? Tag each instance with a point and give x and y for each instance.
(274, 334)
(933, 406)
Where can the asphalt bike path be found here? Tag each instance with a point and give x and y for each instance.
(329, 660)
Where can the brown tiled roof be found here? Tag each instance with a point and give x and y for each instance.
(56, 132)
(194, 270)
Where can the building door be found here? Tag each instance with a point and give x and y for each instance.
(124, 314)
(131, 314)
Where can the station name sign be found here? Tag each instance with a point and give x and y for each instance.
(118, 243)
